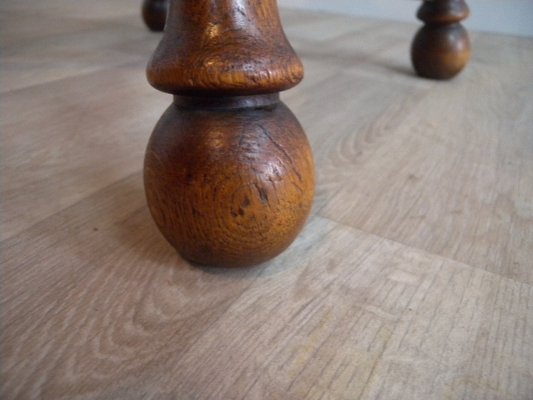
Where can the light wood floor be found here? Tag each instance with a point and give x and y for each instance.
(412, 280)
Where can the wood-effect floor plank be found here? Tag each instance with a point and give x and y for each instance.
(390, 291)
(65, 143)
(341, 313)
(455, 177)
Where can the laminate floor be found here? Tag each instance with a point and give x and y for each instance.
(413, 278)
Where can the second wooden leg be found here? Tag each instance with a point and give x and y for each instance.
(154, 14)
(441, 48)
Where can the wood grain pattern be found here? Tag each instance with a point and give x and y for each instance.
(229, 187)
(455, 193)
(389, 293)
(228, 172)
(61, 47)
(61, 175)
(243, 50)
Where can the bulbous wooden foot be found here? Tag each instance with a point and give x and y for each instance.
(228, 171)
(154, 14)
(441, 48)
(229, 187)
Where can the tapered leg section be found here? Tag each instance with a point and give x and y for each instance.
(228, 173)
(441, 48)
(154, 14)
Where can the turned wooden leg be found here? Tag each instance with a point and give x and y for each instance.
(441, 48)
(154, 14)
(228, 171)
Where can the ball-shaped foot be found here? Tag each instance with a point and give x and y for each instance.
(154, 14)
(440, 51)
(229, 187)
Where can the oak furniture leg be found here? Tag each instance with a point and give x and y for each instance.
(228, 173)
(441, 48)
(154, 14)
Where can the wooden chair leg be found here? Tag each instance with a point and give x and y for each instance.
(154, 14)
(441, 48)
(228, 172)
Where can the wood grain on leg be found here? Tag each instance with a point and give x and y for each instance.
(228, 171)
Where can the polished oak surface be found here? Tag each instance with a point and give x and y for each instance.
(412, 280)
(228, 172)
(229, 187)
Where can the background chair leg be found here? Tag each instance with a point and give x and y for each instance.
(154, 14)
(441, 48)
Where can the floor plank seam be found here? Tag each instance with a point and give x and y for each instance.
(423, 251)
